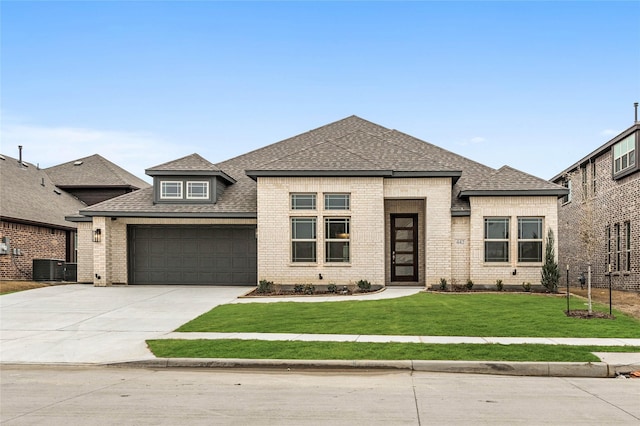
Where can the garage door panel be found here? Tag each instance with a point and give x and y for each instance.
(208, 255)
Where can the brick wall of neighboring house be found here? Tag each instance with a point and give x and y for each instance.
(611, 205)
(512, 207)
(34, 242)
(108, 258)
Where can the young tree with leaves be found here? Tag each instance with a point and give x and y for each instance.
(550, 270)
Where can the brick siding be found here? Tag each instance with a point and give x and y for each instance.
(34, 242)
(613, 202)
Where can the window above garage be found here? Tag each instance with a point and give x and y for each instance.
(187, 189)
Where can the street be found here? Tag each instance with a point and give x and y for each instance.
(96, 395)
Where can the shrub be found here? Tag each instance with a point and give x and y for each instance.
(550, 271)
(298, 288)
(469, 284)
(364, 285)
(265, 286)
(526, 286)
(309, 289)
(499, 285)
(332, 288)
(443, 284)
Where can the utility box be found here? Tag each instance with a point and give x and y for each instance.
(71, 272)
(48, 270)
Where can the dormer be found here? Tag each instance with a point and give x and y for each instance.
(188, 180)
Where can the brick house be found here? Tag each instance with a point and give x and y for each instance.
(34, 203)
(347, 201)
(599, 220)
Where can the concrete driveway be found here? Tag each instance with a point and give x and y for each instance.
(85, 324)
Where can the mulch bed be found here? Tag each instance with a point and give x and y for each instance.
(584, 314)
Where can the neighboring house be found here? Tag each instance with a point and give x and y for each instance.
(35, 202)
(347, 201)
(599, 220)
(32, 219)
(94, 179)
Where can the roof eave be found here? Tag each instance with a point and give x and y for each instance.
(514, 193)
(184, 215)
(254, 174)
(216, 173)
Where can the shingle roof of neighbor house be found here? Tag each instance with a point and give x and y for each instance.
(28, 195)
(348, 147)
(93, 171)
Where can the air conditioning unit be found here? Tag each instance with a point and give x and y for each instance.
(48, 269)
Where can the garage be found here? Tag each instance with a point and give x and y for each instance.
(192, 255)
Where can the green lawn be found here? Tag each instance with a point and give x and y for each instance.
(423, 314)
(260, 349)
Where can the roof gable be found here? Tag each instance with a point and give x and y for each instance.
(29, 195)
(509, 181)
(93, 171)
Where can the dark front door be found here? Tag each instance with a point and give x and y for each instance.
(404, 247)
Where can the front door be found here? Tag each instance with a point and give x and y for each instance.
(404, 247)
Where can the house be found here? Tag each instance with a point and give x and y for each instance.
(94, 179)
(347, 201)
(34, 203)
(32, 219)
(599, 220)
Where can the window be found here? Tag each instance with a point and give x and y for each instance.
(529, 239)
(337, 239)
(607, 235)
(567, 198)
(336, 201)
(171, 189)
(616, 228)
(198, 190)
(585, 189)
(303, 201)
(627, 246)
(496, 239)
(303, 239)
(593, 177)
(624, 154)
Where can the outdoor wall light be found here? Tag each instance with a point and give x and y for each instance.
(97, 235)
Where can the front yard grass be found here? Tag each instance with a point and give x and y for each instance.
(423, 314)
(260, 349)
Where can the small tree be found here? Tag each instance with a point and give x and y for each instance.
(550, 271)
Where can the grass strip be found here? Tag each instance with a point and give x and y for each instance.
(287, 349)
(422, 314)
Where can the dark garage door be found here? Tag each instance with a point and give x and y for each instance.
(207, 255)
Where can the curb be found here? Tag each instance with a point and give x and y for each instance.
(541, 369)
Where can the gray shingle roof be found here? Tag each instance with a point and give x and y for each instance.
(348, 145)
(27, 194)
(93, 171)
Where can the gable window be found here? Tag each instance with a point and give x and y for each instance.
(496, 239)
(170, 190)
(624, 154)
(303, 201)
(627, 245)
(337, 239)
(303, 239)
(337, 201)
(198, 190)
(529, 239)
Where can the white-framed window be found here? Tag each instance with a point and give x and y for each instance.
(624, 154)
(170, 190)
(198, 190)
(337, 201)
(303, 201)
(567, 198)
(496, 239)
(303, 239)
(529, 239)
(336, 239)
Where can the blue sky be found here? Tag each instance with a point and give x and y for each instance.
(535, 85)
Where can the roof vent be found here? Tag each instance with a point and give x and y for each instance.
(635, 106)
(77, 163)
(42, 182)
(2, 157)
(57, 191)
